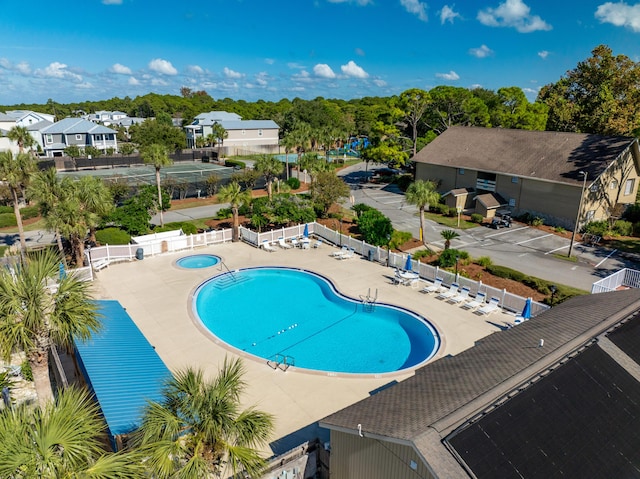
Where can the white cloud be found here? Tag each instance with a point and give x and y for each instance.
(159, 82)
(531, 91)
(543, 54)
(451, 76)
(229, 73)
(475, 86)
(269, 61)
(482, 51)
(379, 82)
(162, 66)
(23, 67)
(416, 7)
(515, 14)
(112, 2)
(84, 85)
(360, 52)
(262, 79)
(120, 69)
(353, 70)
(196, 69)
(133, 81)
(448, 15)
(4, 63)
(58, 70)
(295, 65)
(358, 2)
(620, 14)
(297, 88)
(323, 70)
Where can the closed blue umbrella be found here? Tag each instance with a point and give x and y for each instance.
(526, 311)
(408, 266)
(306, 231)
(62, 272)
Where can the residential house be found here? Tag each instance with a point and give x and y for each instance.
(556, 396)
(27, 117)
(242, 135)
(545, 173)
(107, 118)
(32, 121)
(76, 131)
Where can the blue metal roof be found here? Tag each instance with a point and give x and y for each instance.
(122, 368)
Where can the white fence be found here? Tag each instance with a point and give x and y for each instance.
(508, 301)
(625, 278)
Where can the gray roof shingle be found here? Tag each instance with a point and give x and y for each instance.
(71, 126)
(547, 155)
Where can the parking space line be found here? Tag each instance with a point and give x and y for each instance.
(536, 238)
(606, 258)
(509, 230)
(558, 249)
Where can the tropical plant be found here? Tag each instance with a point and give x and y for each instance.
(448, 235)
(73, 151)
(22, 137)
(61, 439)
(269, 167)
(375, 227)
(199, 430)
(33, 316)
(157, 155)
(422, 193)
(46, 189)
(236, 196)
(211, 184)
(15, 172)
(327, 189)
(220, 134)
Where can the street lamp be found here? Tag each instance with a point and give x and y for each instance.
(457, 259)
(553, 292)
(388, 248)
(575, 228)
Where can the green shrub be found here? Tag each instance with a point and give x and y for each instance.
(6, 209)
(559, 229)
(233, 163)
(112, 236)
(598, 228)
(504, 272)
(623, 228)
(375, 227)
(224, 213)
(404, 181)
(423, 253)
(187, 228)
(360, 208)
(398, 238)
(537, 221)
(294, 183)
(440, 208)
(448, 257)
(484, 261)
(29, 212)
(477, 218)
(25, 371)
(7, 219)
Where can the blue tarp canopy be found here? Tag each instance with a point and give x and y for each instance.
(122, 369)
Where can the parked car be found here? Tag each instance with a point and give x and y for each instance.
(503, 221)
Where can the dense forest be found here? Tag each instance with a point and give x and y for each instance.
(600, 95)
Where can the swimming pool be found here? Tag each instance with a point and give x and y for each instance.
(282, 312)
(196, 261)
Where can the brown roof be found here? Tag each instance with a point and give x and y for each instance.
(546, 155)
(491, 200)
(444, 394)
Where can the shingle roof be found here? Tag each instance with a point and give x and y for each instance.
(547, 155)
(443, 394)
(211, 117)
(70, 126)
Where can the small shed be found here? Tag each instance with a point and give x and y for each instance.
(122, 369)
(488, 203)
(461, 198)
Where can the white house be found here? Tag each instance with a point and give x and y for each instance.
(79, 132)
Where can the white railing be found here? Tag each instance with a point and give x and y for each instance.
(103, 255)
(625, 278)
(508, 301)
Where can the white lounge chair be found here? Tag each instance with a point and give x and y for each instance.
(434, 287)
(491, 307)
(451, 292)
(476, 302)
(295, 242)
(283, 245)
(317, 244)
(267, 246)
(463, 295)
(305, 243)
(340, 252)
(348, 255)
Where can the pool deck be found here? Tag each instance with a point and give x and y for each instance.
(156, 294)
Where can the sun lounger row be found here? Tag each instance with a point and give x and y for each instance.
(456, 295)
(344, 253)
(303, 243)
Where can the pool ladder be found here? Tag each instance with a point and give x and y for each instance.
(369, 302)
(281, 361)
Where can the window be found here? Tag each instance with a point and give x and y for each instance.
(98, 137)
(514, 179)
(613, 185)
(78, 137)
(49, 138)
(512, 202)
(461, 171)
(628, 187)
(259, 132)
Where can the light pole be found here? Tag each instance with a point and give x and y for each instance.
(457, 259)
(388, 249)
(553, 290)
(575, 228)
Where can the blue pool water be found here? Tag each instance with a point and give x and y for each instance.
(280, 311)
(198, 261)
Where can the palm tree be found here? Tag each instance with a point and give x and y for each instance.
(220, 134)
(22, 137)
(33, 315)
(198, 429)
(157, 155)
(270, 167)
(46, 189)
(96, 200)
(236, 196)
(15, 172)
(61, 439)
(289, 144)
(422, 193)
(448, 235)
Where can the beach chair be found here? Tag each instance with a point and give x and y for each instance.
(476, 302)
(283, 245)
(434, 287)
(348, 254)
(489, 308)
(295, 242)
(305, 243)
(340, 252)
(267, 246)
(451, 292)
(317, 244)
(463, 295)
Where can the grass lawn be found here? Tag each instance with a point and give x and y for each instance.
(628, 245)
(451, 222)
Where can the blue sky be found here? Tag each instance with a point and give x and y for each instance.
(273, 49)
